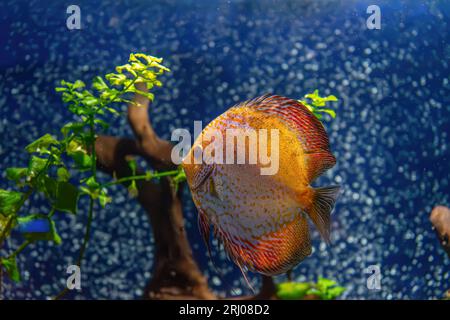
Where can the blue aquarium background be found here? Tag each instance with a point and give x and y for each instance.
(391, 136)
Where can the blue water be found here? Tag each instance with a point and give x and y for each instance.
(391, 135)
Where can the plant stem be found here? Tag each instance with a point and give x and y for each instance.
(143, 177)
(91, 201)
(87, 232)
(91, 206)
(6, 230)
(20, 249)
(1, 284)
(52, 212)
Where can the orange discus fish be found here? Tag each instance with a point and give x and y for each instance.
(261, 219)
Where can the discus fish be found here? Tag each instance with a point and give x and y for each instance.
(261, 220)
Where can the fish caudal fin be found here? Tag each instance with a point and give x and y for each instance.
(319, 211)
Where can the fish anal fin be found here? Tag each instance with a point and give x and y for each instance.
(322, 203)
(244, 274)
(204, 227)
(318, 163)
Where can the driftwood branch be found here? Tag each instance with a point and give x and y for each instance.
(440, 219)
(176, 274)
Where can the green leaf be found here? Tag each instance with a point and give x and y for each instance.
(331, 98)
(292, 290)
(181, 176)
(331, 112)
(335, 292)
(10, 265)
(317, 103)
(78, 85)
(94, 194)
(102, 124)
(35, 166)
(9, 201)
(315, 292)
(103, 198)
(90, 101)
(60, 89)
(82, 160)
(75, 127)
(112, 110)
(92, 183)
(75, 145)
(15, 174)
(133, 166)
(54, 234)
(99, 84)
(150, 96)
(318, 115)
(132, 189)
(66, 197)
(41, 144)
(3, 223)
(48, 186)
(63, 174)
(325, 283)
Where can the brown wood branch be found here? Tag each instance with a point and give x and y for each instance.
(156, 150)
(176, 274)
(440, 219)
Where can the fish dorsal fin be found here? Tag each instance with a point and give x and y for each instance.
(309, 129)
(202, 175)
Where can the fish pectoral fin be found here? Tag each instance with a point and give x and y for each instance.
(202, 175)
(212, 189)
(323, 200)
(204, 227)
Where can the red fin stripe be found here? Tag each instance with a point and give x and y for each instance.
(294, 113)
(309, 129)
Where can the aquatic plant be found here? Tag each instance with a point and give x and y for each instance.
(317, 104)
(323, 289)
(61, 170)
(65, 169)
